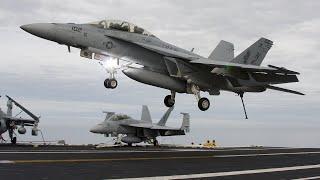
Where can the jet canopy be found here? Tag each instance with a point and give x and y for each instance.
(121, 26)
(119, 117)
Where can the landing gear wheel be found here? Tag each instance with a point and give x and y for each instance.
(168, 101)
(113, 83)
(203, 104)
(110, 83)
(129, 144)
(14, 140)
(106, 83)
(155, 143)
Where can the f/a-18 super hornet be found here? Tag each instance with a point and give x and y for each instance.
(168, 66)
(143, 130)
(9, 123)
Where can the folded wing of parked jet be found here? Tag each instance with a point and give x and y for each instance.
(34, 117)
(21, 121)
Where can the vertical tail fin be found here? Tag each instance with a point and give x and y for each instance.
(165, 117)
(255, 53)
(223, 52)
(145, 115)
(185, 122)
(108, 114)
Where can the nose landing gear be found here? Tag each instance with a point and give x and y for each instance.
(110, 83)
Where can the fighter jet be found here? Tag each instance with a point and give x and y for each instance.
(9, 123)
(143, 130)
(167, 66)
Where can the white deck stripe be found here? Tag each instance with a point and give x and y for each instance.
(6, 162)
(230, 173)
(267, 154)
(308, 178)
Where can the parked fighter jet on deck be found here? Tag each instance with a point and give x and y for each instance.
(143, 130)
(168, 66)
(9, 123)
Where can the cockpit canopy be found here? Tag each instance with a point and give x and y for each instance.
(118, 117)
(121, 26)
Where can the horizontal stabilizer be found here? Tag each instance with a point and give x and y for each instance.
(284, 70)
(284, 90)
(274, 78)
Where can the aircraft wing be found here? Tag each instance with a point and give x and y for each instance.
(167, 52)
(20, 121)
(160, 50)
(36, 118)
(164, 130)
(139, 125)
(157, 127)
(170, 53)
(213, 63)
(150, 126)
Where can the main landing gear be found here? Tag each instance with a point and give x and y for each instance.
(203, 103)
(170, 99)
(155, 142)
(11, 133)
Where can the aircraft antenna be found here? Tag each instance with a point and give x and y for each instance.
(243, 105)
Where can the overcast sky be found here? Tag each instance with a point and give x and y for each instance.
(68, 92)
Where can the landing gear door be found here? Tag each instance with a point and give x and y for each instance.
(177, 68)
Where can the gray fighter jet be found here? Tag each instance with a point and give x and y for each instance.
(168, 66)
(143, 130)
(9, 123)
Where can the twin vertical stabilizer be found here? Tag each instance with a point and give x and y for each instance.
(145, 115)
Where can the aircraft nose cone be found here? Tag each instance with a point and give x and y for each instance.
(97, 129)
(25, 27)
(39, 29)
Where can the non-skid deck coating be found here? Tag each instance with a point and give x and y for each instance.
(86, 162)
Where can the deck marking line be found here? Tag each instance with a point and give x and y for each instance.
(229, 173)
(151, 158)
(6, 162)
(308, 178)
